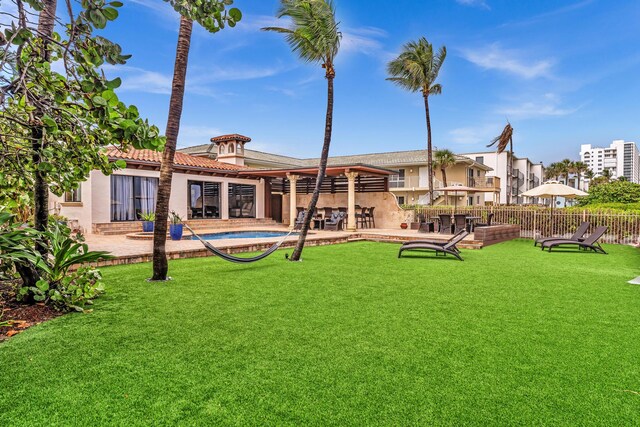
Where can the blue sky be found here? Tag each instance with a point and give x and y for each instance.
(564, 73)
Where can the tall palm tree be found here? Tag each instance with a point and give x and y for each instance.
(416, 69)
(444, 159)
(315, 37)
(551, 172)
(565, 167)
(503, 140)
(607, 175)
(580, 169)
(211, 15)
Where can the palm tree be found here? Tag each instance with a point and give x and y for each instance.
(551, 172)
(502, 140)
(444, 159)
(580, 169)
(607, 175)
(315, 37)
(565, 167)
(416, 69)
(211, 15)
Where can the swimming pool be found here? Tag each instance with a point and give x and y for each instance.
(242, 235)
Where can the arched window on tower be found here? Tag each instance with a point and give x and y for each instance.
(231, 148)
(221, 149)
(239, 148)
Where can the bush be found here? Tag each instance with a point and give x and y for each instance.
(61, 284)
(61, 279)
(612, 192)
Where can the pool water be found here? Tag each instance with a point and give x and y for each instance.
(241, 235)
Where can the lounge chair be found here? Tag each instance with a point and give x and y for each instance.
(437, 242)
(448, 248)
(590, 242)
(577, 236)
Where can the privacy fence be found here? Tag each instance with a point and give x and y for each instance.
(623, 228)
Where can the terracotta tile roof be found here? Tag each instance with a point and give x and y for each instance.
(182, 159)
(231, 137)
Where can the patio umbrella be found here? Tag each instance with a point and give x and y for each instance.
(551, 190)
(455, 189)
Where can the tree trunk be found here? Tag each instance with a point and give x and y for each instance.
(297, 253)
(429, 148)
(444, 176)
(510, 166)
(160, 264)
(46, 23)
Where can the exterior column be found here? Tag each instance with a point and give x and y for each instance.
(351, 206)
(293, 195)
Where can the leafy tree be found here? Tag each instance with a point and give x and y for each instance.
(57, 109)
(416, 69)
(315, 37)
(444, 159)
(612, 192)
(213, 16)
(52, 85)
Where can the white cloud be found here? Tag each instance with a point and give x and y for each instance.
(495, 57)
(364, 40)
(470, 135)
(197, 135)
(474, 3)
(141, 80)
(549, 105)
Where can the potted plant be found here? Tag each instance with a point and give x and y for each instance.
(404, 225)
(175, 228)
(147, 221)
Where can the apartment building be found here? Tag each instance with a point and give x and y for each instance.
(621, 158)
(524, 175)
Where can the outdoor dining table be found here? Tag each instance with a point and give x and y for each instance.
(470, 220)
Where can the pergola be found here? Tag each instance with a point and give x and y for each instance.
(350, 179)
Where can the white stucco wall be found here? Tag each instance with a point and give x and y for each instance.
(95, 207)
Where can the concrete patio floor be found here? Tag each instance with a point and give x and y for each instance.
(128, 251)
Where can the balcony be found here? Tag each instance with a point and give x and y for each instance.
(485, 183)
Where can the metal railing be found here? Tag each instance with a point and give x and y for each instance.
(623, 228)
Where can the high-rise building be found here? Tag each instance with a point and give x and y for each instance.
(621, 158)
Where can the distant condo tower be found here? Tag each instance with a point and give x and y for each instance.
(622, 158)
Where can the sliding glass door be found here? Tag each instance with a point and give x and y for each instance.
(132, 196)
(204, 200)
(242, 201)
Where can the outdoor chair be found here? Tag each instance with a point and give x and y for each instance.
(299, 220)
(336, 222)
(488, 223)
(590, 242)
(370, 218)
(448, 248)
(445, 223)
(460, 222)
(361, 218)
(424, 226)
(577, 236)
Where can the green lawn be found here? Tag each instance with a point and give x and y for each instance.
(351, 336)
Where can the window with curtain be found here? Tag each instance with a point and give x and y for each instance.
(73, 196)
(242, 201)
(132, 196)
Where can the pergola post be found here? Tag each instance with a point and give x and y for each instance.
(351, 205)
(293, 212)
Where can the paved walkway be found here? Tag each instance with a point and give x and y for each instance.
(121, 246)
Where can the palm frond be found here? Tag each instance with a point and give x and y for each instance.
(503, 139)
(314, 33)
(416, 68)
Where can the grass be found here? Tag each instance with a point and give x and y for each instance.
(350, 336)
